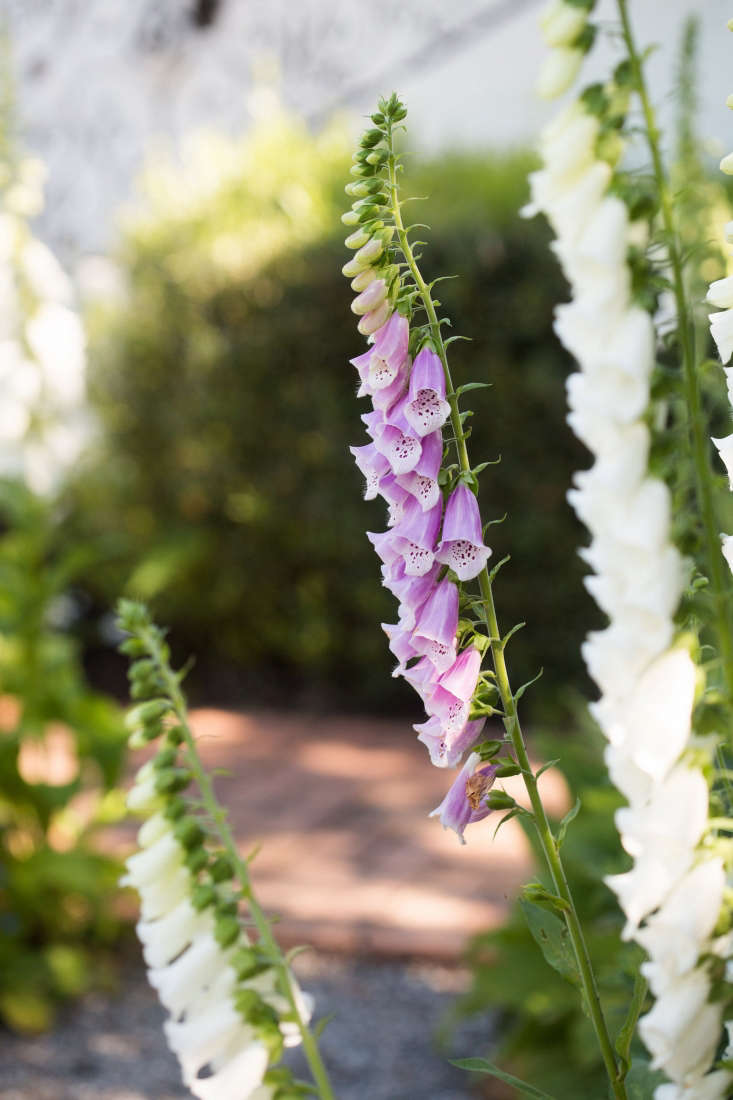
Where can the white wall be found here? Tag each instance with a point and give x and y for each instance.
(98, 80)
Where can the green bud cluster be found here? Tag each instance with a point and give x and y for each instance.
(375, 279)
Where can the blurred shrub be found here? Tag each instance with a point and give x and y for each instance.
(222, 485)
(60, 754)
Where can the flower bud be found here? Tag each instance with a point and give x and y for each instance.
(726, 164)
(558, 72)
(356, 190)
(363, 279)
(374, 320)
(227, 930)
(370, 298)
(351, 217)
(369, 252)
(561, 23)
(356, 239)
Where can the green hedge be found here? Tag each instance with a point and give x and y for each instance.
(222, 485)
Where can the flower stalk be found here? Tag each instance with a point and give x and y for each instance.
(153, 672)
(699, 444)
(511, 720)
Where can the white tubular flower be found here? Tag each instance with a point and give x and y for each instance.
(673, 894)
(558, 72)
(725, 450)
(672, 936)
(165, 938)
(237, 1078)
(561, 23)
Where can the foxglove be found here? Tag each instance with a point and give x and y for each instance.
(646, 675)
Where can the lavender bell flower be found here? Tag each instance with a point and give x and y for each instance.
(446, 748)
(396, 496)
(422, 482)
(412, 592)
(415, 537)
(426, 409)
(449, 699)
(462, 544)
(373, 466)
(435, 630)
(465, 802)
(400, 644)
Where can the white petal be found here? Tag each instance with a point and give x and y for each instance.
(725, 450)
(192, 972)
(237, 1079)
(165, 938)
(675, 936)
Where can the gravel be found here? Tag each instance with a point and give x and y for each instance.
(390, 1038)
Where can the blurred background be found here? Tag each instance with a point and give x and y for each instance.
(177, 407)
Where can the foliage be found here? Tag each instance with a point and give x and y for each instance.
(547, 1038)
(219, 486)
(60, 750)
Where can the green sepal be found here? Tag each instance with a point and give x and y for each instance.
(500, 800)
(370, 138)
(172, 780)
(189, 833)
(506, 770)
(487, 750)
(226, 930)
(540, 896)
(133, 647)
(165, 757)
(203, 896)
(196, 860)
(175, 809)
(222, 869)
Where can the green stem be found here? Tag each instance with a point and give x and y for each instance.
(218, 815)
(511, 716)
(699, 432)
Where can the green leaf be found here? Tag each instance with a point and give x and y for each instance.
(626, 1033)
(521, 690)
(480, 1065)
(550, 932)
(499, 564)
(507, 817)
(642, 1080)
(569, 816)
(467, 386)
(545, 767)
(509, 633)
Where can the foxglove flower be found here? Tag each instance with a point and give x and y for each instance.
(647, 682)
(465, 802)
(462, 543)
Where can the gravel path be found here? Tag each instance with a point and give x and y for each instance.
(381, 1044)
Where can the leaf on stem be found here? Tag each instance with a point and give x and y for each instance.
(521, 690)
(551, 933)
(480, 1065)
(569, 816)
(626, 1033)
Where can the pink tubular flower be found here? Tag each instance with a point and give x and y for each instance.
(370, 298)
(415, 537)
(465, 802)
(446, 748)
(373, 466)
(462, 544)
(435, 630)
(426, 409)
(452, 694)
